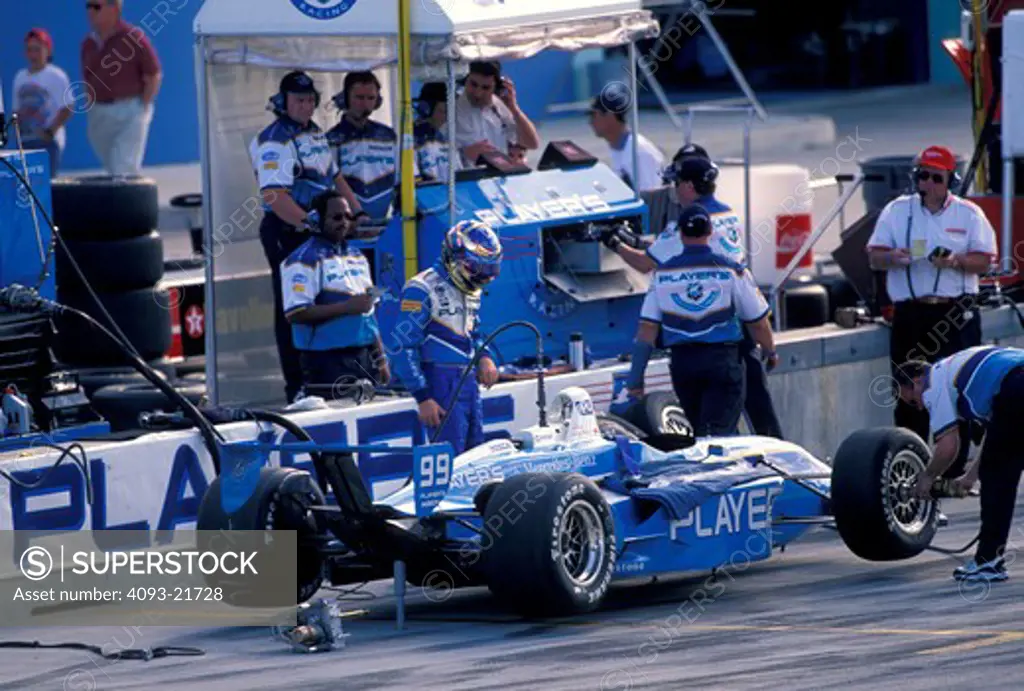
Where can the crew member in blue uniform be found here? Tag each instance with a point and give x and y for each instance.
(431, 133)
(694, 176)
(700, 300)
(293, 164)
(437, 335)
(329, 301)
(982, 386)
(366, 149)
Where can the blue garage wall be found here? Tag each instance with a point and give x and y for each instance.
(174, 136)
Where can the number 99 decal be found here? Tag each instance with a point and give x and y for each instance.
(435, 470)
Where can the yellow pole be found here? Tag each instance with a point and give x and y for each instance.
(979, 17)
(408, 183)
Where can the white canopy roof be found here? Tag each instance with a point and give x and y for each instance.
(287, 33)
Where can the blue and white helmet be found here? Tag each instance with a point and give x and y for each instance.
(471, 253)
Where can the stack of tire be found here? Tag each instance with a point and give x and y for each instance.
(109, 229)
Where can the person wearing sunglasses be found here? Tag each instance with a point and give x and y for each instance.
(329, 300)
(437, 335)
(932, 245)
(122, 75)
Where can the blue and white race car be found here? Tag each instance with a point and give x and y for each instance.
(550, 518)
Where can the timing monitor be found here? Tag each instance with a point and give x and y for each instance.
(491, 164)
(565, 154)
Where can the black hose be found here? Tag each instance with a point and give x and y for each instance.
(471, 367)
(300, 433)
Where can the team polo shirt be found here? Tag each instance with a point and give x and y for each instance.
(960, 225)
(368, 159)
(431, 151)
(725, 234)
(296, 158)
(962, 386)
(650, 162)
(321, 272)
(700, 296)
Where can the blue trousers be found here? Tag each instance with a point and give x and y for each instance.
(464, 428)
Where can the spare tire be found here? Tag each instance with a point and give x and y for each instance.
(104, 207)
(659, 412)
(92, 380)
(112, 265)
(876, 521)
(121, 404)
(143, 315)
(806, 306)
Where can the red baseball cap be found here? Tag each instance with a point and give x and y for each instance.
(41, 35)
(937, 157)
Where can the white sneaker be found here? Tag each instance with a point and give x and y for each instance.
(990, 571)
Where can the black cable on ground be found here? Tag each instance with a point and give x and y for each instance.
(146, 654)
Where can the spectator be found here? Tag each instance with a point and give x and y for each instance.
(485, 123)
(608, 120)
(430, 132)
(122, 73)
(39, 99)
(366, 150)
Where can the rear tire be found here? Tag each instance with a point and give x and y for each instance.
(558, 557)
(873, 521)
(659, 412)
(281, 501)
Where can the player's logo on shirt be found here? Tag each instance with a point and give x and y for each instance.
(698, 298)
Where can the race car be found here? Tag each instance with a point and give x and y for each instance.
(550, 518)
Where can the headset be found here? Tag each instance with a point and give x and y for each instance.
(955, 180)
(340, 99)
(499, 79)
(278, 103)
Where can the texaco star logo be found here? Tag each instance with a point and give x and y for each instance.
(194, 321)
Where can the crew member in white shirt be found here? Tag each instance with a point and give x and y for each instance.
(488, 117)
(932, 245)
(40, 93)
(608, 120)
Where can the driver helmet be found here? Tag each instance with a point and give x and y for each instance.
(471, 254)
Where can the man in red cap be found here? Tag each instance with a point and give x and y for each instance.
(39, 98)
(932, 245)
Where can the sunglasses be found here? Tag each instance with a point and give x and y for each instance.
(94, 6)
(924, 175)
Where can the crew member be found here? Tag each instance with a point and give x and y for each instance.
(694, 177)
(932, 246)
(983, 386)
(484, 123)
(608, 120)
(329, 301)
(699, 299)
(441, 337)
(293, 164)
(431, 132)
(366, 150)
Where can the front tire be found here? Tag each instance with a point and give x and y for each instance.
(872, 517)
(558, 556)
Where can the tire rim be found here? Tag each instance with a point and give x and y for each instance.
(581, 543)
(912, 515)
(673, 421)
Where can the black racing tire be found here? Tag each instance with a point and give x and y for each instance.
(806, 306)
(659, 412)
(92, 380)
(104, 207)
(612, 425)
(121, 404)
(529, 565)
(113, 265)
(872, 519)
(281, 501)
(143, 315)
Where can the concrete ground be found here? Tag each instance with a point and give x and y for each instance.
(813, 617)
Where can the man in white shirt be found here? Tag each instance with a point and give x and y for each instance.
(488, 117)
(933, 246)
(40, 92)
(608, 120)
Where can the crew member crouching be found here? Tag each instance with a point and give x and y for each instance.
(698, 299)
(329, 303)
(438, 335)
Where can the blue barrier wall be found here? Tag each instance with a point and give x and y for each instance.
(174, 136)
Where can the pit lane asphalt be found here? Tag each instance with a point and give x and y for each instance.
(814, 616)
